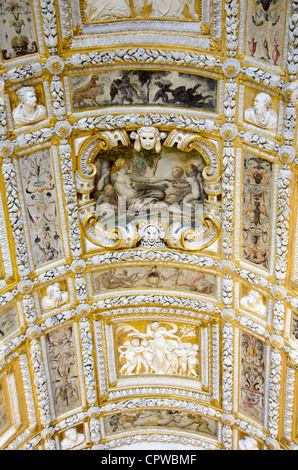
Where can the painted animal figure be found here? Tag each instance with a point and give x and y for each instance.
(88, 91)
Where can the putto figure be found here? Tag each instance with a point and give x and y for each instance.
(261, 115)
(72, 439)
(54, 298)
(28, 111)
(253, 302)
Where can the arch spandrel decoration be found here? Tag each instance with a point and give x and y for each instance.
(205, 191)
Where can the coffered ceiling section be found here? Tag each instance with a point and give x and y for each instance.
(148, 224)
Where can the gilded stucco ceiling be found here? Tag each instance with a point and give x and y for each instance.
(148, 224)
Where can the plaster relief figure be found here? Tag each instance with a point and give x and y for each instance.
(103, 9)
(173, 9)
(253, 302)
(261, 115)
(148, 138)
(54, 298)
(159, 351)
(72, 439)
(28, 111)
(248, 443)
(152, 235)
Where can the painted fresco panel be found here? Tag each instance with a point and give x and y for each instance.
(17, 30)
(139, 277)
(163, 418)
(265, 23)
(158, 348)
(252, 377)
(4, 421)
(143, 88)
(129, 184)
(41, 206)
(256, 210)
(8, 321)
(294, 330)
(63, 369)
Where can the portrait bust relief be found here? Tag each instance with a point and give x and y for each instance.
(261, 114)
(28, 111)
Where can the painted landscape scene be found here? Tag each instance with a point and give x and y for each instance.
(143, 88)
(165, 186)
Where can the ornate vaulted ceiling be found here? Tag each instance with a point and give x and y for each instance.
(148, 224)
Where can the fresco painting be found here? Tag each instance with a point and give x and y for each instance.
(41, 206)
(158, 348)
(265, 24)
(17, 30)
(4, 421)
(63, 369)
(161, 418)
(294, 329)
(143, 88)
(154, 277)
(256, 210)
(131, 184)
(8, 321)
(252, 377)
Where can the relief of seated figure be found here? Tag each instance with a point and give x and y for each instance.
(28, 111)
(103, 9)
(54, 298)
(172, 9)
(253, 302)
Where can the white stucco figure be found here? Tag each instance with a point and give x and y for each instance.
(248, 443)
(158, 351)
(261, 115)
(172, 9)
(54, 298)
(151, 234)
(72, 439)
(253, 302)
(103, 9)
(28, 111)
(148, 138)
